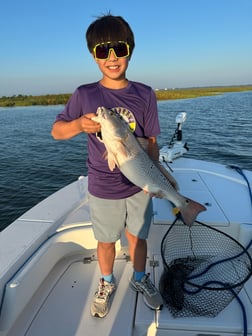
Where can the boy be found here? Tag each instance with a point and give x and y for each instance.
(115, 203)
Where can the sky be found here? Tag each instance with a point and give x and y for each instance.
(179, 43)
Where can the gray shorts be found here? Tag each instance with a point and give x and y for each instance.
(111, 217)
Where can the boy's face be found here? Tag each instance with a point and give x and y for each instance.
(113, 67)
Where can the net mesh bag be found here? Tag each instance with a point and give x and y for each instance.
(204, 269)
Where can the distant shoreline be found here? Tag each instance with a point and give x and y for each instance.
(161, 94)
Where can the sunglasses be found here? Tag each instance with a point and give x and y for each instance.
(102, 50)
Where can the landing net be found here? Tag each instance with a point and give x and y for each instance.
(204, 269)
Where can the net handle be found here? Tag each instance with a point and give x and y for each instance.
(162, 244)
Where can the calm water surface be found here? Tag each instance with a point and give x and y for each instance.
(33, 165)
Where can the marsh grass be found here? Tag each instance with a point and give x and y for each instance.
(198, 92)
(161, 94)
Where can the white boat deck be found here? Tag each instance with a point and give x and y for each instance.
(52, 273)
(65, 309)
(61, 306)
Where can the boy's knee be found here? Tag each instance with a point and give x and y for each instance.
(106, 246)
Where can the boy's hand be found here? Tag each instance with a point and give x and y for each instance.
(88, 125)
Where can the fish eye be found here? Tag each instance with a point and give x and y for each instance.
(111, 112)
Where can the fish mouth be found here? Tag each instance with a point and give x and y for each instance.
(99, 136)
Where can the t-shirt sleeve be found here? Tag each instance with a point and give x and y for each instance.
(73, 108)
(151, 121)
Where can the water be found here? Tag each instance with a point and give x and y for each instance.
(33, 165)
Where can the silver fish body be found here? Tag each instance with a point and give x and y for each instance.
(125, 152)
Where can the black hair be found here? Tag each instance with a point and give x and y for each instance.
(109, 28)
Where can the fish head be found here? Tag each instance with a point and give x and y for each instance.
(112, 123)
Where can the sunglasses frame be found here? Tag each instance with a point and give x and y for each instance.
(109, 49)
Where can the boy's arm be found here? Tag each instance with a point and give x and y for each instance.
(63, 130)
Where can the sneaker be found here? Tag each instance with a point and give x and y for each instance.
(101, 302)
(152, 297)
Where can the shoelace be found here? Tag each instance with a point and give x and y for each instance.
(103, 291)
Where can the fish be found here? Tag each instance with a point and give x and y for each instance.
(124, 151)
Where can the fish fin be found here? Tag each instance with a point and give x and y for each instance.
(190, 210)
(112, 162)
(105, 155)
(110, 157)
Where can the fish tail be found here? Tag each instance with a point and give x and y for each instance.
(190, 210)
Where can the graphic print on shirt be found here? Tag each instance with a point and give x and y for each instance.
(127, 115)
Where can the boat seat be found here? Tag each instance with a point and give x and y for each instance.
(20, 289)
(67, 264)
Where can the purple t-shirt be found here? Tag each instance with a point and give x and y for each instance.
(140, 101)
